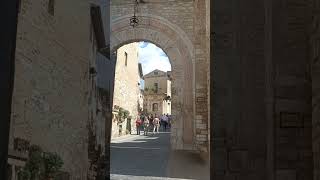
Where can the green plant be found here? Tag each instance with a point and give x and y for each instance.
(24, 174)
(33, 166)
(52, 164)
(123, 114)
(40, 165)
(126, 114)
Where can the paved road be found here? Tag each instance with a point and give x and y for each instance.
(140, 156)
(150, 158)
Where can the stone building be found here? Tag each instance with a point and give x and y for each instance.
(179, 28)
(126, 89)
(157, 93)
(57, 102)
(264, 92)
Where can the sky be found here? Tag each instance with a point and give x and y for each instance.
(152, 57)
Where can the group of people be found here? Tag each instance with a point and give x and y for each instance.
(150, 122)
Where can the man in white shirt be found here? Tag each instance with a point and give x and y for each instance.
(156, 124)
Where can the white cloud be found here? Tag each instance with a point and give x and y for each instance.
(152, 57)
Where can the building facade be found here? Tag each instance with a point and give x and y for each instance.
(126, 89)
(157, 93)
(57, 104)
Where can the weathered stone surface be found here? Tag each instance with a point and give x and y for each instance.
(51, 91)
(262, 88)
(154, 95)
(126, 88)
(179, 28)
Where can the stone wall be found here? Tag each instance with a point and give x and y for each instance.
(262, 90)
(163, 106)
(126, 88)
(152, 97)
(315, 79)
(239, 125)
(160, 78)
(171, 26)
(292, 91)
(201, 74)
(50, 100)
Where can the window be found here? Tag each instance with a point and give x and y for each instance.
(155, 107)
(155, 73)
(51, 7)
(125, 58)
(156, 87)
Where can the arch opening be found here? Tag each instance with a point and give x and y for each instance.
(179, 49)
(142, 87)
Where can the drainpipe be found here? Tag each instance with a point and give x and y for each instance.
(8, 33)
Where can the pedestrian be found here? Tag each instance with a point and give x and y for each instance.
(165, 122)
(161, 120)
(156, 124)
(150, 122)
(169, 120)
(145, 126)
(138, 124)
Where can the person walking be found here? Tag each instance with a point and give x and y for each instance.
(138, 124)
(145, 126)
(161, 120)
(156, 124)
(150, 122)
(165, 122)
(169, 120)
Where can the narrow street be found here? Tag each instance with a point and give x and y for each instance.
(149, 158)
(145, 156)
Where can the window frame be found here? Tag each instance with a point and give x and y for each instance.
(155, 107)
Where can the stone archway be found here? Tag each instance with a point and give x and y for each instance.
(176, 44)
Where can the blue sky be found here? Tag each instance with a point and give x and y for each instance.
(152, 57)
